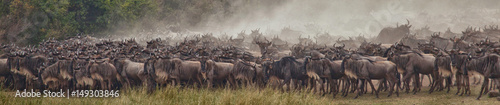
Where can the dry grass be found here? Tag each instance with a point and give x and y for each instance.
(252, 96)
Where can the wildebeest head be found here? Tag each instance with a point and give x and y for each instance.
(428, 48)
(206, 65)
(266, 67)
(263, 45)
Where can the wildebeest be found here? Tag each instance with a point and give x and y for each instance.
(392, 35)
(27, 67)
(215, 72)
(336, 74)
(244, 72)
(317, 68)
(443, 64)
(441, 42)
(103, 71)
(287, 68)
(412, 64)
(159, 69)
(487, 65)
(189, 71)
(58, 74)
(133, 73)
(366, 70)
(459, 63)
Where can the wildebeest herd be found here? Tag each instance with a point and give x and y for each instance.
(84, 62)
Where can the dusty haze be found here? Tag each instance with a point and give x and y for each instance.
(350, 17)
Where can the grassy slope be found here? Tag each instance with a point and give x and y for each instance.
(177, 96)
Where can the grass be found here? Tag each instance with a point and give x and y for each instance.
(251, 96)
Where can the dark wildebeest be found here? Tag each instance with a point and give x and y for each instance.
(58, 75)
(392, 35)
(27, 68)
(317, 67)
(366, 70)
(412, 64)
(443, 64)
(104, 72)
(459, 63)
(486, 65)
(245, 72)
(215, 71)
(287, 68)
(81, 77)
(159, 69)
(336, 74)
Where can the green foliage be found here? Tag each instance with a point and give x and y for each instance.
(64, 18)
(30, 21)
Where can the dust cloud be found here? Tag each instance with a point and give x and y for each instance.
(341, 17)
(354, 17)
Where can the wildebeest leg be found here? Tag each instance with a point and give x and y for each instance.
(417, 84)
(366, 87)
(407, 77)
(209, 83)
(360, 88)
(103, 84)
(373, 87)
(492, 82)
(458, 81)
(295, 84)
(232, 81)
(354, 85)
(322, 87)
(345, 87)
(448, 84)
(392, 82)
(430, 81)
(436, 84)
(483, 87)
(338, 84)
(386, 86)
(109, 84)
(486, 90)
(467, 86)
(440, 83)
(127, 84)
